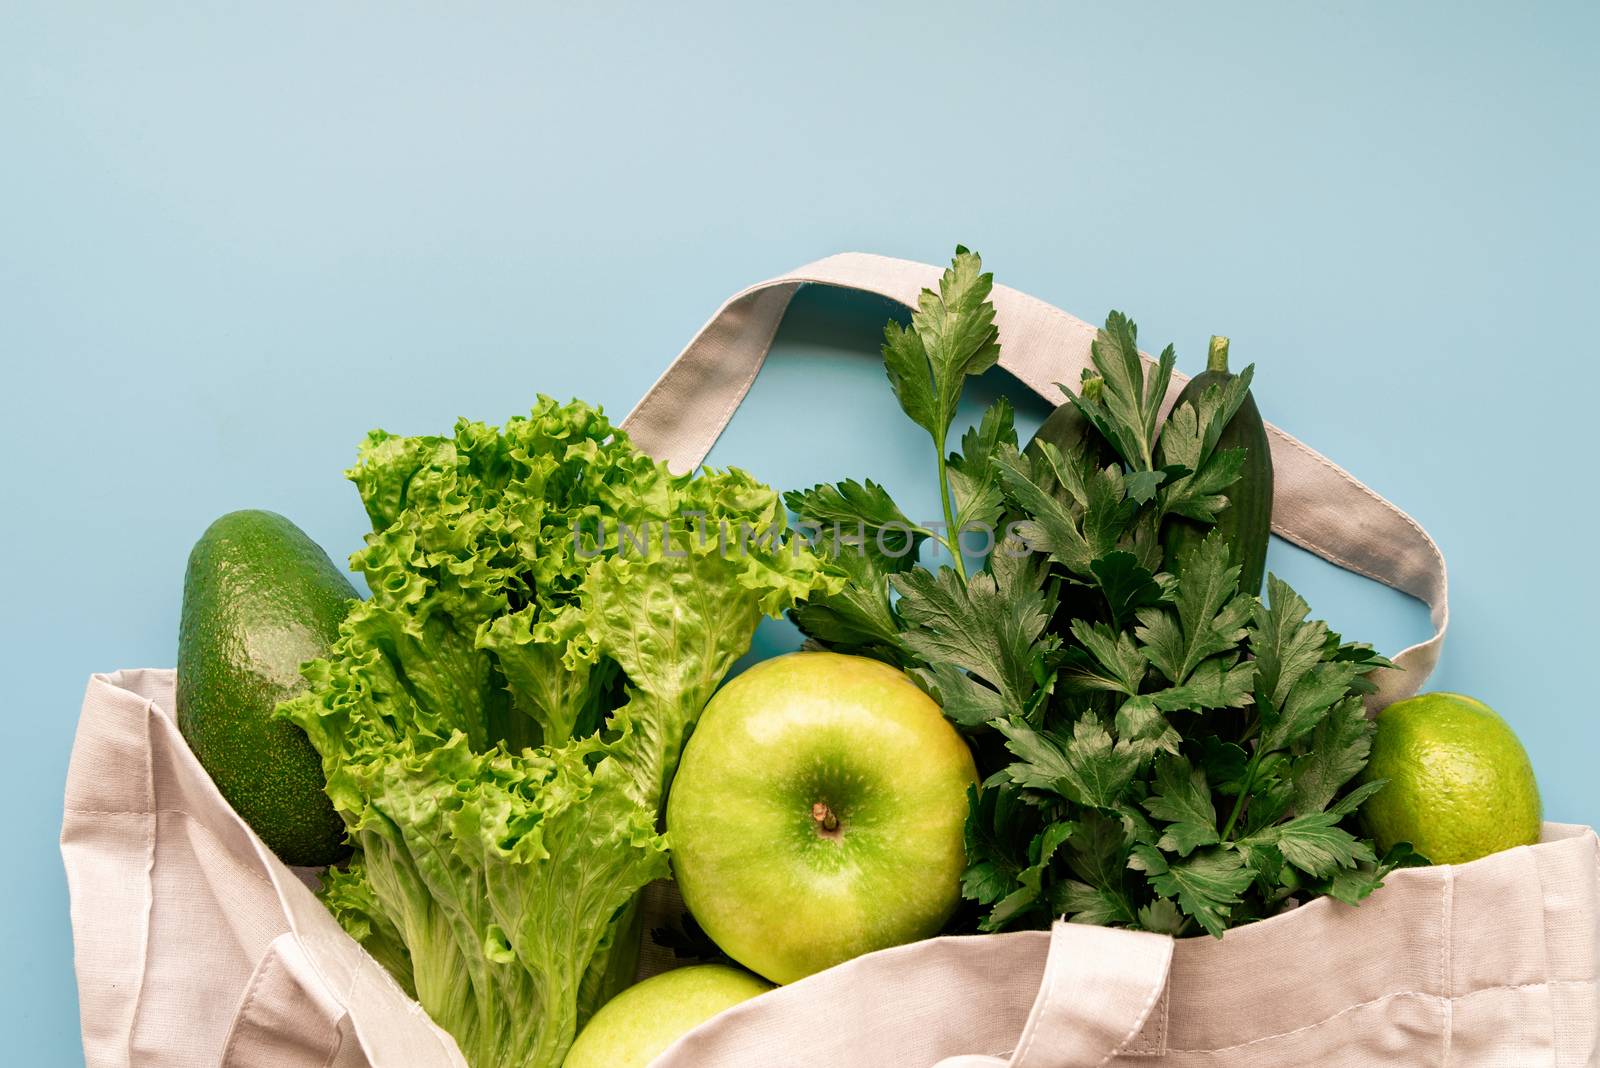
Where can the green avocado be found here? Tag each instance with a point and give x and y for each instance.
(259, 599)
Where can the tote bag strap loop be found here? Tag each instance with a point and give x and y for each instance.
(1316, 504)
(1100, 996)
(1075, 997)
(287, 1017)
(1100, 987)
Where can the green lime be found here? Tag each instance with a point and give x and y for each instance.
(1460, 784)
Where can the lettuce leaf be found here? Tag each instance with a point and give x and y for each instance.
(500, 721)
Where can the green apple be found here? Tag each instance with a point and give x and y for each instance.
(634, 1027)
(818, 813)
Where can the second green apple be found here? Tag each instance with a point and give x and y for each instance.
(818, 814)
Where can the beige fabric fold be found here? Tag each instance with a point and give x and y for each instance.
(196, 947)
(1488, 963)
(1317, 505)
(194, 944)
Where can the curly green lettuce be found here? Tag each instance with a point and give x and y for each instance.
(500, 721)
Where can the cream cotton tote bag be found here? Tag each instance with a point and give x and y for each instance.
(195, 946)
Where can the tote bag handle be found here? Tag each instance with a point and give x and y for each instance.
(1316, 504)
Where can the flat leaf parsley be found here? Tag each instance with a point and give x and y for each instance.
(1160, 752)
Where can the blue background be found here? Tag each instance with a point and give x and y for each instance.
(234, 238)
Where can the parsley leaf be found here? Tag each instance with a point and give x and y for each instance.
(1286, 647)
(996, 819)
(858, 515)
(1315, 844)
(1158, 750)
(952, 335)
(1205, 885)
(1161, 916)
(1296, 682)
(1030, 892)
(1126, 585)
(1199, 495)
(1144, 730)
(911, 377)
(990, 626)
(1095, 855)
(1127, 405)
(1182, 800)
(1214, 684)
(966, 701)
(1207, 617)
(859, 617)
(1336, 752)
(1105, 660)
(1075, 535)
(1188, 443)
(974, 477)
(1082, 903)
(1087, 767)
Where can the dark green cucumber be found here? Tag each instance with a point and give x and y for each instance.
(1247, 520)
(1066, 429)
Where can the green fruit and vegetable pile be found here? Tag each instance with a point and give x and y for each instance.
(1078, 696)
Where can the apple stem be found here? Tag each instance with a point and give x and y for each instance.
(824, 816)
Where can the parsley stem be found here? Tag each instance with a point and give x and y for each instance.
(1281, 895)
(952, 538)
(1245, 785)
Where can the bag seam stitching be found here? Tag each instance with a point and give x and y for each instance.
(1154, 1044)
(1526, 857)
(411, 1004)
(191, 818)
(344, 1002)
(1019, 1059)
(338, 1044)
(257, 979)
(1447, 887)
(1546, 984)
(366, 966)
(1313, 545)
(1368, 491)
(127, 812)
(149, 902)
(243, 1011)
(1139, 1021)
